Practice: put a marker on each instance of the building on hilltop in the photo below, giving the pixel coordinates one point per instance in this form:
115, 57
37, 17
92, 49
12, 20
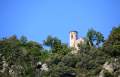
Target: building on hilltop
74, 40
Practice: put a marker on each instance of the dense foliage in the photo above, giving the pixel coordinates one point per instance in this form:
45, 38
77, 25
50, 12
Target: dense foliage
22, 58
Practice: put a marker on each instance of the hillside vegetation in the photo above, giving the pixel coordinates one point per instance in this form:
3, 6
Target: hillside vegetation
97, 57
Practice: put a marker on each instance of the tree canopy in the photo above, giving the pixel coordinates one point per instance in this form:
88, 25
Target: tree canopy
20, 57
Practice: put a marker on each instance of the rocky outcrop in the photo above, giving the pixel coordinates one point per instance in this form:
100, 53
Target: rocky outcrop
111, 68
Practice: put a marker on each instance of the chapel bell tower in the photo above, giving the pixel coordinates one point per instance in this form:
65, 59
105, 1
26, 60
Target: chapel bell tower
73, 38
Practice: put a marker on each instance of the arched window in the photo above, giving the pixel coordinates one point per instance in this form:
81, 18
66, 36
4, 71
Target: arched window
71, 36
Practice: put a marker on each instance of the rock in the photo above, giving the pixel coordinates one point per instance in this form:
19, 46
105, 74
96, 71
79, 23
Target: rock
44, 67
106, 67
101, 73
109, 67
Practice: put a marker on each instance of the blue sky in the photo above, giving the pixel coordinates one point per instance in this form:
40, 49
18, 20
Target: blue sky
37, 19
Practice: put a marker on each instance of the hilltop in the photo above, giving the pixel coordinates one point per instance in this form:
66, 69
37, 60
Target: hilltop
96, 57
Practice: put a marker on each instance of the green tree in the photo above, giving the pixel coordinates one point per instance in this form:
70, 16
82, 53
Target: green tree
17, 63
95, 38
112, 44
56, 45
23, 40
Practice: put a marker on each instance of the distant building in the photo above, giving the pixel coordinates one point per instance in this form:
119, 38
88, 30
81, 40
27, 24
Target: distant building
74, 40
